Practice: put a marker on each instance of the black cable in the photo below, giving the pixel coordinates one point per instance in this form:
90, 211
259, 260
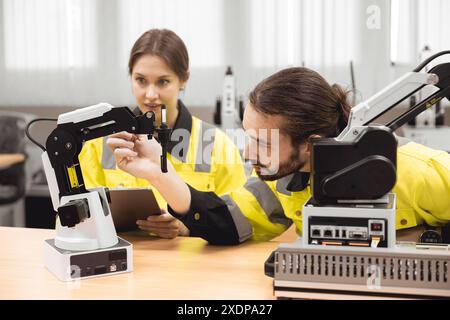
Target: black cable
28, 134
427, 61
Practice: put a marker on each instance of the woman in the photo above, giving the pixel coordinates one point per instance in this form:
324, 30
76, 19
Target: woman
202, 155
300, 104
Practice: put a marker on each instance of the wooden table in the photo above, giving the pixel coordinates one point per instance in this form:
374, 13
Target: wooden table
181, 268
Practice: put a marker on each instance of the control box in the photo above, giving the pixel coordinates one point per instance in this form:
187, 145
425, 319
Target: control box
356, 224
401, 272
74, 265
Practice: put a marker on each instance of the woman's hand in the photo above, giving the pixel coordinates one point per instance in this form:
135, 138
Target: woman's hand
136, 155
164, 225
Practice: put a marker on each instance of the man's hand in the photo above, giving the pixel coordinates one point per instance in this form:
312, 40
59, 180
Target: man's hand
140, 157
136, 155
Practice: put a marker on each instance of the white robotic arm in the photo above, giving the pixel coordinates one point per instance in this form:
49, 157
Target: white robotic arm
365, 112
360, 164
77, 116
84, 218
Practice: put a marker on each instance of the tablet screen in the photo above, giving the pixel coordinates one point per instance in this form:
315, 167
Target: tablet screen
129, 205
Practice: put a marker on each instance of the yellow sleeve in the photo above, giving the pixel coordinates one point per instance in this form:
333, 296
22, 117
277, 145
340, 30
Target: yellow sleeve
90, 155
230, 173
432, 201
260, 206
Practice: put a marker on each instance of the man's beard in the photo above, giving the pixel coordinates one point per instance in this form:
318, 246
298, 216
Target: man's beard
293, 164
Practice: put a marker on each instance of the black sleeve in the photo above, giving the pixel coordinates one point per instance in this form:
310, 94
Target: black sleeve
209, 218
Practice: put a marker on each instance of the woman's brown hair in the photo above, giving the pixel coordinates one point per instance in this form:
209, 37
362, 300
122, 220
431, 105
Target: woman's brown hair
165, 44
308, 104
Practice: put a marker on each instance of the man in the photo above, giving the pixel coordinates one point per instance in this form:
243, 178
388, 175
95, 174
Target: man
285, 111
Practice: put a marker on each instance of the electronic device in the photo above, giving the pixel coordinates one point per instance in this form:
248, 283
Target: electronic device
131, 204
229, 107
305, 272
84, 226
70, 265
357, 225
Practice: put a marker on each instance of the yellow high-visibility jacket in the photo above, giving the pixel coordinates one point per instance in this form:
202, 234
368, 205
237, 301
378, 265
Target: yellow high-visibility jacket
202, 155
262, 210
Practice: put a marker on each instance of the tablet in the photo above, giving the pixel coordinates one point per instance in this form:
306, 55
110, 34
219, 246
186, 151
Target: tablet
129, 205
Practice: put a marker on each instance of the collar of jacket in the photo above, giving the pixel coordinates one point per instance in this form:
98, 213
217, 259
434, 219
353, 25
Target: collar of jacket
298, 182
184, 121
